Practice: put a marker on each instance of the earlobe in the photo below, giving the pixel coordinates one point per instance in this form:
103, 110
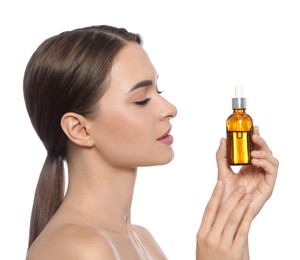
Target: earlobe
75, 127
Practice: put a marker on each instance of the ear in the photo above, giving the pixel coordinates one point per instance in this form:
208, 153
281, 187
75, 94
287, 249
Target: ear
75, 127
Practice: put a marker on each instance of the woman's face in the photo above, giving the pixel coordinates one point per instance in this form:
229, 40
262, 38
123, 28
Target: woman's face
132, 124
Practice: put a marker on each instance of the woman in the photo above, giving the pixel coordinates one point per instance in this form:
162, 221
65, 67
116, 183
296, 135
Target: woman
93, 99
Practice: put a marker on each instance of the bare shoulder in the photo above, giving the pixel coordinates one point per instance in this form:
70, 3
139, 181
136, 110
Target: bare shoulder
149, 241
143, 232
71, 242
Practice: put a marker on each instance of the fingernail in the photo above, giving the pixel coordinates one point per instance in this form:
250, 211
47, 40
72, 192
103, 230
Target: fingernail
254, 153
256, 137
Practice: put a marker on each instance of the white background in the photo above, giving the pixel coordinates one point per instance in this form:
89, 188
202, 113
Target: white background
201, 50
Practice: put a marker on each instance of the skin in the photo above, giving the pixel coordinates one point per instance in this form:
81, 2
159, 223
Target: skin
236, 200
224, 229
104, 152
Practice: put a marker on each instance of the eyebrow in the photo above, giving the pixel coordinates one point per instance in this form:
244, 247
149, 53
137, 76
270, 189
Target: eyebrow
141, 84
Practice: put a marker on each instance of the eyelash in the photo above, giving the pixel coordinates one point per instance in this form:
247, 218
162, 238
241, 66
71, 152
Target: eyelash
145, 101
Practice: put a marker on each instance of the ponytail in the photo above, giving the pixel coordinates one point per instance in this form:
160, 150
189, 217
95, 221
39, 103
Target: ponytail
48, 196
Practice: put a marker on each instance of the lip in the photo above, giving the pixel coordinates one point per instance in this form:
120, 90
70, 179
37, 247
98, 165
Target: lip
166, 138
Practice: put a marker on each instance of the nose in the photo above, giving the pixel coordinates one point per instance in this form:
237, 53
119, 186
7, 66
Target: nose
167, 111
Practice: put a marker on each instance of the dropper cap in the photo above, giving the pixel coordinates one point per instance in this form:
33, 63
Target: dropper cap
239, 101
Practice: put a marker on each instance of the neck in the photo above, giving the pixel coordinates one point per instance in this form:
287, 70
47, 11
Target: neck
99, 195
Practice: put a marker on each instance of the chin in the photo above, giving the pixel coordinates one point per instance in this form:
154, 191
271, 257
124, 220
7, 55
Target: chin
165, 159
156, 158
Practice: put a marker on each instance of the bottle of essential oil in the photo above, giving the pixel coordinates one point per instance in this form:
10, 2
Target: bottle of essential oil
239, 126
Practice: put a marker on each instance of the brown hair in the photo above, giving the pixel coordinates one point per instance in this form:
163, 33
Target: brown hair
68, 72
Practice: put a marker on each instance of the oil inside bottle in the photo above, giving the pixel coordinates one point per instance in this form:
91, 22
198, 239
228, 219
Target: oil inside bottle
239, 147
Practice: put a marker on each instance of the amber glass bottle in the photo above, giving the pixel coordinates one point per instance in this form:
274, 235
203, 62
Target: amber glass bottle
239, 126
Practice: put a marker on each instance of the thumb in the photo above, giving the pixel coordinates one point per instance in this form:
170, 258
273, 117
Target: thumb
223, 167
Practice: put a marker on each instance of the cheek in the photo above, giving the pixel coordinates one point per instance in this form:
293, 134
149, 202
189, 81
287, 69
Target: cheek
127, 128
128, 138
124, 131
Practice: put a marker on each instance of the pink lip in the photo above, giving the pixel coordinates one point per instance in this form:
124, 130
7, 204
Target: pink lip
166, 138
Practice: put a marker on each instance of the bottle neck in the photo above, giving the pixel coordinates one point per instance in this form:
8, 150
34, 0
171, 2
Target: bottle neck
239, 110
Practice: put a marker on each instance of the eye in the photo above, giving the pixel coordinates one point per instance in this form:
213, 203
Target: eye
143, 102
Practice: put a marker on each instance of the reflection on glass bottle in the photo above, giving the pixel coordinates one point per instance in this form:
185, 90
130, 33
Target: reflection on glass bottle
239, 128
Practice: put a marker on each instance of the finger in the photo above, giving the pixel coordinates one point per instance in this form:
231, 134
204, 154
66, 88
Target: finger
234, 221
222, 163
243, 230
262, 157
211, 210
268, 164
259, 142
226, 210
256, 130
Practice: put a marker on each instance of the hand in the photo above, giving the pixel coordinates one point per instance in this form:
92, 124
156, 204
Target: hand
258, 178
223, 233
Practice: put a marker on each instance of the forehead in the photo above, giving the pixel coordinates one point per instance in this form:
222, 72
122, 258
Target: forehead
131, 65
